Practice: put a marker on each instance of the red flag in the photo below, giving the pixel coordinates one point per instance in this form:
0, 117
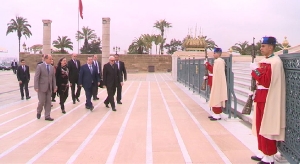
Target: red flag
80, 9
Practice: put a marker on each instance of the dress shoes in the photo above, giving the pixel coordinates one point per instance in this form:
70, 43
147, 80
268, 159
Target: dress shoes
74, 102
49, 119
215, 119
210, 117
77, 99
96, 98
119, 102
87, 107
63, 111
27, 98
255, 158
53, 100
22, 98
92, 108
106, 105
114, 109
38, 116
262, 162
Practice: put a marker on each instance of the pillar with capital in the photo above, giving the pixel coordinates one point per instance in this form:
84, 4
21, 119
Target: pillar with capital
105, 40
47, 36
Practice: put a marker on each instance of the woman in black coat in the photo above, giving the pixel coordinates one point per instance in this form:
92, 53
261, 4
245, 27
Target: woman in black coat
62, 82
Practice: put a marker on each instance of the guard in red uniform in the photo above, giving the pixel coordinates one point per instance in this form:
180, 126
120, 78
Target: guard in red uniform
216, 108
270, 101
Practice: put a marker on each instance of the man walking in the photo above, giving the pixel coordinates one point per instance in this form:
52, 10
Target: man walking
123, 73
74, 69
44, 84
88, 77
218, 94
14, 66
270, 97
111, 78
23, 76
97, 64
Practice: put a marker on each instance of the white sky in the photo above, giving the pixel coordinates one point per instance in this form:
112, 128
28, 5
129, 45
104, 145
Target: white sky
225, 21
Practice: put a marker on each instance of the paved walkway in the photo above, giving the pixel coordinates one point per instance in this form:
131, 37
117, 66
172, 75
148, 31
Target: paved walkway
159, 121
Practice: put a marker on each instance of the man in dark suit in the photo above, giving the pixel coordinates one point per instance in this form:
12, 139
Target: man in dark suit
97, 64
14, 66
44, 85
122, 69
23, 76
74, 69
88, 77
111, 78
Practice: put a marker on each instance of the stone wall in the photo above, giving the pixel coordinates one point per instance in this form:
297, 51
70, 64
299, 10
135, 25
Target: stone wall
133, 62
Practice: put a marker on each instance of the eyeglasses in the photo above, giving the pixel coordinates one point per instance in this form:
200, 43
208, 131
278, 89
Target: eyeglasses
112, 60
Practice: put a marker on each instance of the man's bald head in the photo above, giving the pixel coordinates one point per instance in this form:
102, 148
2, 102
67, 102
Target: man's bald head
111, 60
74, 55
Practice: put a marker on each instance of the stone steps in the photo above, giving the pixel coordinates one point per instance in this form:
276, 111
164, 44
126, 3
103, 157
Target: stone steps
242, 84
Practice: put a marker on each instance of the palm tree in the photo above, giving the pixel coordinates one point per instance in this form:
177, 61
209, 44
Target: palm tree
161, 25
242, 47
62, 43
21, 26
158, 39
210, 43
148, 40
137, 46
86, 34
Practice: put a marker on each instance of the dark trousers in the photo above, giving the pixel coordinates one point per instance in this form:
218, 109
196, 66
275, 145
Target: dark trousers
63, 95
88, 95
119, 92
77, 94
14, 68
95, 89
23, 86
110, 96
267, 146
53, 95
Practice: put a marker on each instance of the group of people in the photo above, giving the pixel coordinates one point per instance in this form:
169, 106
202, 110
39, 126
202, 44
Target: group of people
51, 80
269, 114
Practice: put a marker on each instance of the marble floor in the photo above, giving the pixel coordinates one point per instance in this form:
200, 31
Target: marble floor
160, 121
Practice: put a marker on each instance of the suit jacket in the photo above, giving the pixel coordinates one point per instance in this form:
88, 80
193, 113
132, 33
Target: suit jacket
122, 70
99, 67
86, 78
111, 76
22, 75
16, 64
42, 80
73, 71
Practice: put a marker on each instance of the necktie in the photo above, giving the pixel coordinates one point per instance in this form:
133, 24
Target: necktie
91, 69
48, 68
75, 63
24, 68
118, 65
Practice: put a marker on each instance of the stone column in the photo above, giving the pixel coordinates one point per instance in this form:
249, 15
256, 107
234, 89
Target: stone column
174, 66
47, 36
105, 40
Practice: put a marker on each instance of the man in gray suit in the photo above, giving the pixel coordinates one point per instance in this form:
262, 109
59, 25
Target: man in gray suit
44, 81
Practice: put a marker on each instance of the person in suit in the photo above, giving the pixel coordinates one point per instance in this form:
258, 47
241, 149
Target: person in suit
74, 69
53, 93
97, 64
123, 73
62, 82
23, 76
14, 66
88, 77
111, 78
44, 84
